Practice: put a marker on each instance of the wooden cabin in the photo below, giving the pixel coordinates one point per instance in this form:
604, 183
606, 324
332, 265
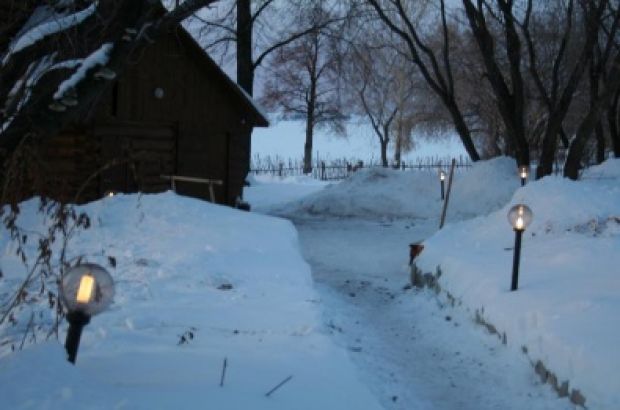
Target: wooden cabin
172, 112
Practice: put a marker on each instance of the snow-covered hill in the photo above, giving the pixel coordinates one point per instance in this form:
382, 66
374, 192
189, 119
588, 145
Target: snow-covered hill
384, 192
234, 280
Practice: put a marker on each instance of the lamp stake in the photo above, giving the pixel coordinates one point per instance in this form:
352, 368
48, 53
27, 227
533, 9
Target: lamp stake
77, 320
515, 263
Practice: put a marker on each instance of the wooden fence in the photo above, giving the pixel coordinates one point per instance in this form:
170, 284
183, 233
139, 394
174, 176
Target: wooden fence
341, 168
338, 169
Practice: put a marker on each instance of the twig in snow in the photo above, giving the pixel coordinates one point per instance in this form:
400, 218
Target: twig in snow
223, 373
27, 330
278, 386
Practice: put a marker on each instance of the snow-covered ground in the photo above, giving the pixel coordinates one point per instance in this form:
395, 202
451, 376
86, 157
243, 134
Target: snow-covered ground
285, 139
569, 294
569, 289
388, 193
357, 337
236, 281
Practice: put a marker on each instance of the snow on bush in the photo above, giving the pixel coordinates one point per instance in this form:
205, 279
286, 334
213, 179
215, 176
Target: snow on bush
569, 293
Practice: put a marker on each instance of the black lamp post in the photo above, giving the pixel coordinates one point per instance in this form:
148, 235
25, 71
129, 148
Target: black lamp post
86, 290
524, 172
520, 217
442, 179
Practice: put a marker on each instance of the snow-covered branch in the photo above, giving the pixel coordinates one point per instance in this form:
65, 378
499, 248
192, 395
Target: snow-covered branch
60, 50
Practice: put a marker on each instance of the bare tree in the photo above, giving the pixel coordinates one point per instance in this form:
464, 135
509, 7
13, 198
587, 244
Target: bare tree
559, 81
252, 30
554, 73
382, 91
304, 80
435, 65
509, 88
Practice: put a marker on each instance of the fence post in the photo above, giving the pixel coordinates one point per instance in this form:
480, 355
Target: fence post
445, 204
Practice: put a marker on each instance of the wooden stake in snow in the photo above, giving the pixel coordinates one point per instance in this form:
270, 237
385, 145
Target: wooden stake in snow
445, 203
223, 373
282, 383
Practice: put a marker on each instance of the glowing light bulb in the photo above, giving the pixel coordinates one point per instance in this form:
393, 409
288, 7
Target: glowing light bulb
519, 224
85, 290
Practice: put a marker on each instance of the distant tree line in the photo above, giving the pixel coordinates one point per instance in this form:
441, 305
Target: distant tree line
530, 79
533, 80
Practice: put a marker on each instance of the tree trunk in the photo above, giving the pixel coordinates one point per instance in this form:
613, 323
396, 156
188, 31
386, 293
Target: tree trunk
462, 129
587, 126
245, 72
600, 143
547, 154
308, 143
509, 92
310, 122
397, 150
612, 121
384, 143
384, 160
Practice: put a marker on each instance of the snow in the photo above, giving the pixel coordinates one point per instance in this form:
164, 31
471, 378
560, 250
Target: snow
275, 191
35, 70
285, 139
569, 292
348, 330
45, 22
384, 192
98, 57
412, 350
173, 254
564, 311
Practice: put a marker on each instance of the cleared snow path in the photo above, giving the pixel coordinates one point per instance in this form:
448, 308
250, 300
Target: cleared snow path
412, 352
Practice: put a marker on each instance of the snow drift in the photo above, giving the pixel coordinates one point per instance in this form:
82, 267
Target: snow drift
377, 193
234, 280
569, 292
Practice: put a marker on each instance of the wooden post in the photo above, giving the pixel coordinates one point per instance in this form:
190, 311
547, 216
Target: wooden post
445, 203
211, 192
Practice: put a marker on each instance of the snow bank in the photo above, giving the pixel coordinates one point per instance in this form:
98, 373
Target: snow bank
235, 280
385, 192
569, 292
267, 191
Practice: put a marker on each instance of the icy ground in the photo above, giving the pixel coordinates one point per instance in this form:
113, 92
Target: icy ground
355, 236
413, 352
